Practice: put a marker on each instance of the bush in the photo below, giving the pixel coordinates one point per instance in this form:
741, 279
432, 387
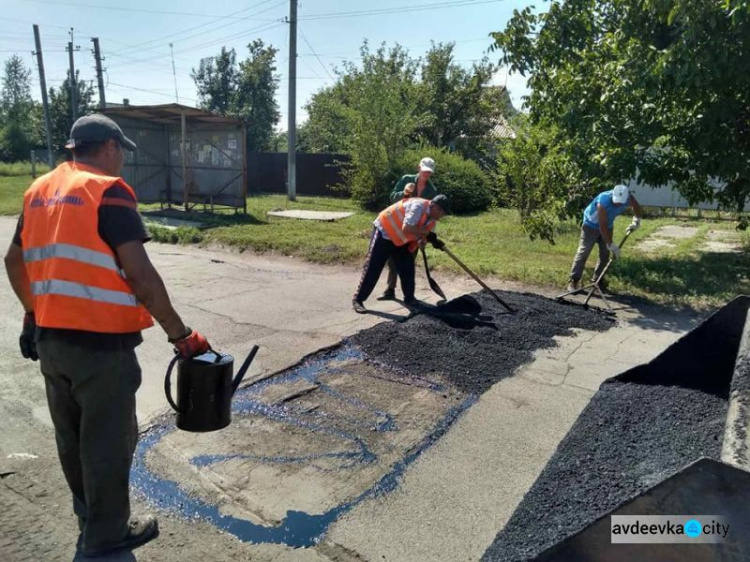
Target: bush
538, 177
468, 187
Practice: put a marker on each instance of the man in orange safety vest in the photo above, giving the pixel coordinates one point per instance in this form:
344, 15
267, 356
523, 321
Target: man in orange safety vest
78, 265
398, 231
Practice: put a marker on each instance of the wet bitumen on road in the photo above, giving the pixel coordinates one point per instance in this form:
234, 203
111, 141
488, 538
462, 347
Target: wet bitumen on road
640, 428
472, 341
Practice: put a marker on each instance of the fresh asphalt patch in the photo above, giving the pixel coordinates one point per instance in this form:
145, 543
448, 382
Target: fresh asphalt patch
640, 428
472, 342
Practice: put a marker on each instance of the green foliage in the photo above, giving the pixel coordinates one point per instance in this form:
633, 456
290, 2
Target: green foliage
463, 181
180, 235
61, 119
244, 90
389, 102
379, 112
656, 88
538, 177
456, 103
327, 127
16, 111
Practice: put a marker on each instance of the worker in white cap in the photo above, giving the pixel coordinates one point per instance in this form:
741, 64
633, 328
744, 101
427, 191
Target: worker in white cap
410, 185
598, 228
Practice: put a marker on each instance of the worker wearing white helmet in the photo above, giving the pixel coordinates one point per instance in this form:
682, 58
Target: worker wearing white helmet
598, 228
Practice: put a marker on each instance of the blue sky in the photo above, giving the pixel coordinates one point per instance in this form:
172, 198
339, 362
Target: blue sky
135, 37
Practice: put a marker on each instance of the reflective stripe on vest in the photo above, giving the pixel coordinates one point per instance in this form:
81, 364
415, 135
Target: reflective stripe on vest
68, 289
75, 277
71, 252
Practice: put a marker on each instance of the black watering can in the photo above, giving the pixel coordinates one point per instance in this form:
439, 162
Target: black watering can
205, 388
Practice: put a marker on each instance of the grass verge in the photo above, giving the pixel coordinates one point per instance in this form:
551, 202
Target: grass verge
491, 243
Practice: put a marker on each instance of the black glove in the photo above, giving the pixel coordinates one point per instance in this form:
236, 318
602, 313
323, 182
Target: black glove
435, 241
27, 340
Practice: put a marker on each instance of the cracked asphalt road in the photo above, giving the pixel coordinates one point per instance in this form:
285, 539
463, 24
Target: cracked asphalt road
451, 502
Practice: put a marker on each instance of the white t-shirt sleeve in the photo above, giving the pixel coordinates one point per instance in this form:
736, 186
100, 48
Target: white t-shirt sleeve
413, 212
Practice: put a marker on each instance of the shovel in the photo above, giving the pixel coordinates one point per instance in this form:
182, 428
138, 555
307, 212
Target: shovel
433, 284
477, 279
594, 286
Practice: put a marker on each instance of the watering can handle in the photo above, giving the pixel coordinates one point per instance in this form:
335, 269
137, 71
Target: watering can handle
168, 383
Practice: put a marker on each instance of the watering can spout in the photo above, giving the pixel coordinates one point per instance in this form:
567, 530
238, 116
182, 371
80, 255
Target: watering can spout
243, 369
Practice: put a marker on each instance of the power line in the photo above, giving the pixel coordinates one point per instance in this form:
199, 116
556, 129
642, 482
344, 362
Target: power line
399, 10
161, 38
262, 28
116, 8
304, 38
211, 43
155, 92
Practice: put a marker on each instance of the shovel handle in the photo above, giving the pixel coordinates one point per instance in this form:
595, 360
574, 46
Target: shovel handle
478, 280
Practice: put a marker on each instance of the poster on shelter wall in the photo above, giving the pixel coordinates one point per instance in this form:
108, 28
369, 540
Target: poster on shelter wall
232, 144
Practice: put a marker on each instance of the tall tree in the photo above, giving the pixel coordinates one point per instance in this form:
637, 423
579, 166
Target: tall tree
657, 88
216, 80
453, 100
61, 120
244, 90
327, 127
16, 111
380, 110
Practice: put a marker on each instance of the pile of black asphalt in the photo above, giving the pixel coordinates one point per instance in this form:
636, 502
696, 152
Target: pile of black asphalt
640, 428
472, 341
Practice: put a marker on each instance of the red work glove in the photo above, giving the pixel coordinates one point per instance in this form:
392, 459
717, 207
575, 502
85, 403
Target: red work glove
27, 341
191, 344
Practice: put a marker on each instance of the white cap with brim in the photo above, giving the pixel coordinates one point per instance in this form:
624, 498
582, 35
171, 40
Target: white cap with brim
427, 165
620, 194
97, 128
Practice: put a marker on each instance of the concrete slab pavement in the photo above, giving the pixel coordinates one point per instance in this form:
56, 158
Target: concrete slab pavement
461, 492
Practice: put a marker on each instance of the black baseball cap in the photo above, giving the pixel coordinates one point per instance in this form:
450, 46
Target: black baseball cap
443, 202
96, 128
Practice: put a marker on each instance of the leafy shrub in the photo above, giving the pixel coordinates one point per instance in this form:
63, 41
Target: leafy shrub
468, 187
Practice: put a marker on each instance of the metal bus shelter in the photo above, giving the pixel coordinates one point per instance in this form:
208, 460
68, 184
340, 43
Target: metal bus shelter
185, 156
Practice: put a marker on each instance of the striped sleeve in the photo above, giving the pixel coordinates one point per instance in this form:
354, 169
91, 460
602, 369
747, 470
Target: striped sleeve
119, 220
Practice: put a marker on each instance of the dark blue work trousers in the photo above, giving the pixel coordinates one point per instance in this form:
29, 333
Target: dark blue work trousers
380, 250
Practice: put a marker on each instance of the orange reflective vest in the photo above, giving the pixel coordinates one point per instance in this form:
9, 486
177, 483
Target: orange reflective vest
391, 221
76, 280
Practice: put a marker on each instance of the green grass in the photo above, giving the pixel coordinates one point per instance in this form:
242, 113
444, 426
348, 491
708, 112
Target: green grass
491, 243
21, 169
12, 189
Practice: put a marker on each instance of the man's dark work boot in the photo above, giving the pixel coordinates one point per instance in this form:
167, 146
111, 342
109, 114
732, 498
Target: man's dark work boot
140, 531
388, 295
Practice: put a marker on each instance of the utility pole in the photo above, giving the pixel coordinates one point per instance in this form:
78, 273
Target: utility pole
99, 74
292, 124
174, 74
45, 103
73, 88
